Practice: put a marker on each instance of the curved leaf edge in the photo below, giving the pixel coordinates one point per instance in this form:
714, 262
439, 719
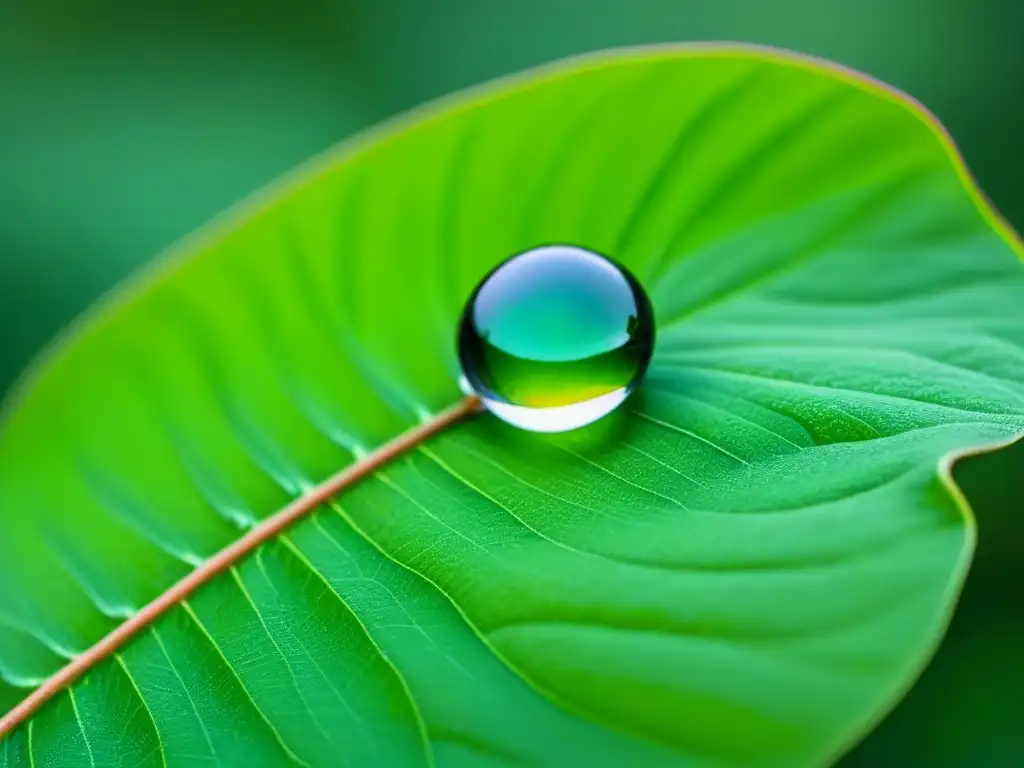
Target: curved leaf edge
164, 264
958, 578
167, 262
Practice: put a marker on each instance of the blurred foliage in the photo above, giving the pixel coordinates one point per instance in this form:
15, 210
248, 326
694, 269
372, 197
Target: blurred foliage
122, 128
125, 125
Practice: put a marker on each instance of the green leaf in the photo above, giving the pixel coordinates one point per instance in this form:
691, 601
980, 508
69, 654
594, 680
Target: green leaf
747, 565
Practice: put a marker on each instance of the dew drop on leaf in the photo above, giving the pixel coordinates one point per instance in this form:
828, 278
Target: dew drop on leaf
555, 338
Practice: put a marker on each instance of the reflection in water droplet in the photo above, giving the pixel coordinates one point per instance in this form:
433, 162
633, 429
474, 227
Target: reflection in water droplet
555, 338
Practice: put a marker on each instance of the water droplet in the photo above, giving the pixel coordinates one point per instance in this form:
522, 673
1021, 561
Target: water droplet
555, 338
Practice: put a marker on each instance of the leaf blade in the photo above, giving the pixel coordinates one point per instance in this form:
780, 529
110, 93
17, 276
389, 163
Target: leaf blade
640, 563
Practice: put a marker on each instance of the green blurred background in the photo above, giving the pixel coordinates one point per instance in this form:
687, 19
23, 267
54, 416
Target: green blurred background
125, 124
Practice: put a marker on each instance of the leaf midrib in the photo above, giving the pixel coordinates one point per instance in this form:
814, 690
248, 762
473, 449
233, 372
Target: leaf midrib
226, 558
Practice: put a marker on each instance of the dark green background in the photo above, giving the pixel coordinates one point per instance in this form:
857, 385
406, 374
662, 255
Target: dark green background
123, 125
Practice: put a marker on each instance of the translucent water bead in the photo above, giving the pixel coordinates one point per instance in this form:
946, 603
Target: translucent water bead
555, 338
